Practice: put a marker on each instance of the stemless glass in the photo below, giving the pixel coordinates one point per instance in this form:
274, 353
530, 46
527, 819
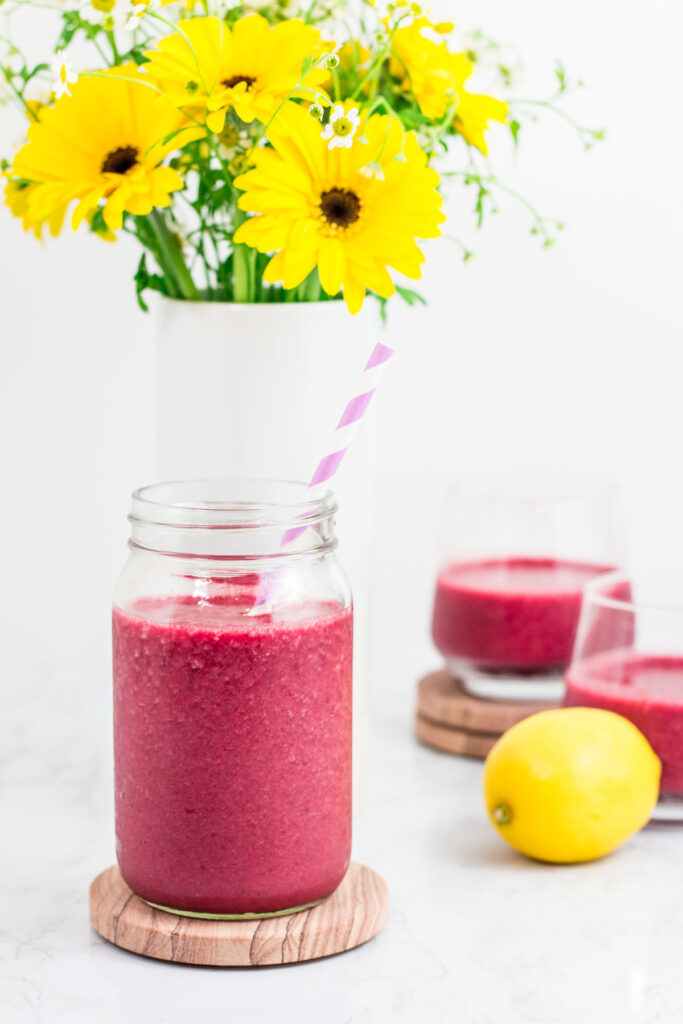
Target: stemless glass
628, 658
516, 556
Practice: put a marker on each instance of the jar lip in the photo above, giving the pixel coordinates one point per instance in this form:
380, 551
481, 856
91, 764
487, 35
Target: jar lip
230, 504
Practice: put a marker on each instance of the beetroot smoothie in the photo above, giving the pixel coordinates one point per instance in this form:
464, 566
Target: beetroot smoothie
646, 689
513, 614
233, 752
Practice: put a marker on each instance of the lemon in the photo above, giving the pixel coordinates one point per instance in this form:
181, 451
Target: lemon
571, 784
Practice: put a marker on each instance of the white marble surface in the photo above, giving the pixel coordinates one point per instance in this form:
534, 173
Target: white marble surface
477, 935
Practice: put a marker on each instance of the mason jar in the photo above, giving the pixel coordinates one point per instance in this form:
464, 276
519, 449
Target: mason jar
232, 648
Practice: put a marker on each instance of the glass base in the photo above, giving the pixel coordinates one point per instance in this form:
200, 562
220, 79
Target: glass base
669, 811
234, 917
507, 686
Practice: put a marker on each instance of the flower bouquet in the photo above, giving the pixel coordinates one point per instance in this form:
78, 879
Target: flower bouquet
259, 152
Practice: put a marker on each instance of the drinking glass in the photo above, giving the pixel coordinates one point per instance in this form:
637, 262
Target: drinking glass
515, 558
628, 658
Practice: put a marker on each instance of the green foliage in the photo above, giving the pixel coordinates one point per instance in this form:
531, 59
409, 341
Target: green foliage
144, 280
188, 249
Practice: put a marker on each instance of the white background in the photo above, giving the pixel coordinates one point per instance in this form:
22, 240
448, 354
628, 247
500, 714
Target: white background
526, 359
569, 358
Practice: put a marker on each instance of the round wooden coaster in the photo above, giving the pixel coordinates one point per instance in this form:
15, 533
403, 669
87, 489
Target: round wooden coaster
453, 741
451, 719
354, 913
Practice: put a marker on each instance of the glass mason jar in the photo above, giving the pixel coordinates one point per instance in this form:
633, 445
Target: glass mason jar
516, 555
232, 700
628, 658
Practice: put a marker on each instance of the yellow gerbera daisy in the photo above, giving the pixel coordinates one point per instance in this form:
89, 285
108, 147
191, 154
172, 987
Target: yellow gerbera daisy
106, 141
437, 79
350, 212
208, 68
17, 195
474, 110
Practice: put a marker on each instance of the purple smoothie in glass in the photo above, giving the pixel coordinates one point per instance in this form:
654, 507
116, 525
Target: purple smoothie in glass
645, 688
232, 752
513, 614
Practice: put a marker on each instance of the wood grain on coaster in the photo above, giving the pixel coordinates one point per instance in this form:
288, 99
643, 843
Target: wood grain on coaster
445, 701
452, 740
352, 915
451, 719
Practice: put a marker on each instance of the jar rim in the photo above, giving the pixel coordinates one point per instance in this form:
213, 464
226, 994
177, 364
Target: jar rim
230, 504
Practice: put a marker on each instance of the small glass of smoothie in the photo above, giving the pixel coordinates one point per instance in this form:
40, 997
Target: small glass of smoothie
628, 658
232, 700
517, 556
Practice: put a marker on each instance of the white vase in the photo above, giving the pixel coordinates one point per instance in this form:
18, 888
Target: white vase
256, 390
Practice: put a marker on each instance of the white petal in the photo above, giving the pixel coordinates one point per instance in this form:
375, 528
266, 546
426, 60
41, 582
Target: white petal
353, 114
337, 112
327, 132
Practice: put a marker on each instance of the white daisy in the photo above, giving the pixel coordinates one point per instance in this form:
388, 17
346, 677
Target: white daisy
373, 171
139, 9
341, 127
64, 74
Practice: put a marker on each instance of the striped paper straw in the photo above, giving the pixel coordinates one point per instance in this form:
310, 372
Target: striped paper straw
336, 450
346, 428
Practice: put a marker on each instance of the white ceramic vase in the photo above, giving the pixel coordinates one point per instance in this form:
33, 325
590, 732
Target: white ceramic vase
256, 390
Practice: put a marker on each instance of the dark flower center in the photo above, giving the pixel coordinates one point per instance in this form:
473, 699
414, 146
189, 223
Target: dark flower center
340, 206
230, 83
120, 160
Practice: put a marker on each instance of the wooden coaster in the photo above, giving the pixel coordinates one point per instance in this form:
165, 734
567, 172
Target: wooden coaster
354, 913
451, 719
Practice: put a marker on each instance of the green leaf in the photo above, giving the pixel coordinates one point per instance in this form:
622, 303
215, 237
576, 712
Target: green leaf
144, 280
561, 76
411, 297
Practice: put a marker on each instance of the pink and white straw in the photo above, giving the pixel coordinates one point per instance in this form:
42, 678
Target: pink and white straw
346, 428
337, 449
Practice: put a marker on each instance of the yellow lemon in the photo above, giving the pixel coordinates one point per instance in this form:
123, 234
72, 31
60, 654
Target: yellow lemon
571, 785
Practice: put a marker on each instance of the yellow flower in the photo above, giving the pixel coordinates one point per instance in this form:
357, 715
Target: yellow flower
437, 79
103, 143
209, 68
353, 56
474, 110
17, 195
320, 207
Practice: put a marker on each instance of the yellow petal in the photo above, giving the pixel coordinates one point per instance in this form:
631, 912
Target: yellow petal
331, 265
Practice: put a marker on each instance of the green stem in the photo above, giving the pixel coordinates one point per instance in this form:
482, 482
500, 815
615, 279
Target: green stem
172, 262
241, 275
112, 42
32, 115
553, 109
101, 52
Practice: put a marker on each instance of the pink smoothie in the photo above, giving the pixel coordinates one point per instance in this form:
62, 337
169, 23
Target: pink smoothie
514, 614
232, 740
646, 689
